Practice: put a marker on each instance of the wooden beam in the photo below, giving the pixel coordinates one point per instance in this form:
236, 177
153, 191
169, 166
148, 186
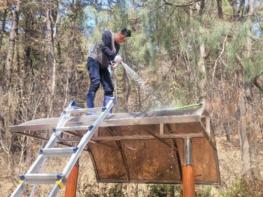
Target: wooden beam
209, 131
91, 141
148, 137
124, 159
158, 138
89, 148
208, 126
154, 181
161, 129
96, 133
212, 143
179, 163
41, 138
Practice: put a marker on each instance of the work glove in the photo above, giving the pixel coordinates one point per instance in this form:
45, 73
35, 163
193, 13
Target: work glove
113, 64
118, 59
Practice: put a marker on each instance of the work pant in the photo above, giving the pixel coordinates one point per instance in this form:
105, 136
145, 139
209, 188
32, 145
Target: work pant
98, 75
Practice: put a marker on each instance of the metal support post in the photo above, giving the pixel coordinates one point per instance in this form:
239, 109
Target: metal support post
188, 173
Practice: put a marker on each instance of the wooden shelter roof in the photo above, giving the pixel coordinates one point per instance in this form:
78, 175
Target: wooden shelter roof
143, 147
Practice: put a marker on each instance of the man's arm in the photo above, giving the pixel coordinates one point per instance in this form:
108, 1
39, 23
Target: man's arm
106, 47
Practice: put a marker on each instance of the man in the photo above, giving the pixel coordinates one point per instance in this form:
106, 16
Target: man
100, 57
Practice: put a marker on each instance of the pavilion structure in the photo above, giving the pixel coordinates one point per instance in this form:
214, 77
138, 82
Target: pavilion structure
166, 146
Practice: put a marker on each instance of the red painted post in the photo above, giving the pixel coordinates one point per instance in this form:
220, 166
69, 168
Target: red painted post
188, 181
72, 182
188, 171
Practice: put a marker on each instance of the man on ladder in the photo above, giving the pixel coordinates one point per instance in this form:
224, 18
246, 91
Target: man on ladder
101, 58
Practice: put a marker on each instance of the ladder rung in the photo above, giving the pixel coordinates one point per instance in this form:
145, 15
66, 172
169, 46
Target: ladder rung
41, 178
58, 151
74, 128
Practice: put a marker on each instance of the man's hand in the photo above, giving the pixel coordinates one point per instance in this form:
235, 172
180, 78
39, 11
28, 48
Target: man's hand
114, 65
118, 59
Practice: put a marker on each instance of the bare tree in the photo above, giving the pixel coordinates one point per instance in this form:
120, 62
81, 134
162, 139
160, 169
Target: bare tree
51, 23
202, 79
247, 130
12, 40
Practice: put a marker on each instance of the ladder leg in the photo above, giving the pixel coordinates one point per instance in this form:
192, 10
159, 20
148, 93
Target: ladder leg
70, 171
83, 142
40, 159
18, 190
33, 191
72, 181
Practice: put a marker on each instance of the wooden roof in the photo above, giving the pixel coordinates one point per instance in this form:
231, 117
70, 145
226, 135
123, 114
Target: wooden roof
143, 147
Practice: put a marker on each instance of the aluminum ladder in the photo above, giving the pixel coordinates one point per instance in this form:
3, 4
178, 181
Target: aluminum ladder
32, 176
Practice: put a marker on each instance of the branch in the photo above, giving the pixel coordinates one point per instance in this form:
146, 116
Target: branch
221, 53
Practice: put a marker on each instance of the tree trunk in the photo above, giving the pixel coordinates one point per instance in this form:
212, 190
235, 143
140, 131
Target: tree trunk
202, 72
249, 21
248, 138
120, 89
51, 59
11, 47
202, 7
3, 27
18, 78
250, 8
120, 80
233, 4
243, 136
241, 8
219, 8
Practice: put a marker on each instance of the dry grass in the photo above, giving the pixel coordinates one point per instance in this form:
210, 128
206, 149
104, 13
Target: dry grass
229, 161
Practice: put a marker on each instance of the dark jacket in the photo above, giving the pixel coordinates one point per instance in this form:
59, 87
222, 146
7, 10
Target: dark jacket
105, 51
